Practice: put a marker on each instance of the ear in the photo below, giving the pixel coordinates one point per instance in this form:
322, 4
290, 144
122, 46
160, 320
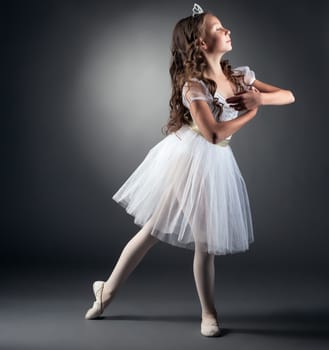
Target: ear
203, 44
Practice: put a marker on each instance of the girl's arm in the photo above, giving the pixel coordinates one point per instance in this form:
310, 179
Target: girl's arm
273, 95
261, 94
215, 131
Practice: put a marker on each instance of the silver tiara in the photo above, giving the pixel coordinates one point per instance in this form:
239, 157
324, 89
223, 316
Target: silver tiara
196, 10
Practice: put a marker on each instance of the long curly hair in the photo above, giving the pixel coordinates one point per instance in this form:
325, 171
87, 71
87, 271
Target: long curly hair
188, 61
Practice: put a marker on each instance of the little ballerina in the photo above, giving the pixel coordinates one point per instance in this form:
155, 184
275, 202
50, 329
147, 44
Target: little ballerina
189, 191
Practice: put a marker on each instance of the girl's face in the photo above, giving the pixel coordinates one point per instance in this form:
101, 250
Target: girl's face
217, 37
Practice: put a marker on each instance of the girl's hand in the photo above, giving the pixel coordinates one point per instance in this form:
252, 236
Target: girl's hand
250, 99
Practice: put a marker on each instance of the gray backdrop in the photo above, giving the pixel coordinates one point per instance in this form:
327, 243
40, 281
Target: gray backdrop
88, 92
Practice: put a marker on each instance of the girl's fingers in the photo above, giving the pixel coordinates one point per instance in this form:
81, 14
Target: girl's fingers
237, 106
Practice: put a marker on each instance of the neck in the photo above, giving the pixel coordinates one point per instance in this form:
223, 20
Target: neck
214, 68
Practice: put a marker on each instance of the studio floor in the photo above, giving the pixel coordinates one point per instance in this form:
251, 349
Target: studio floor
43, 308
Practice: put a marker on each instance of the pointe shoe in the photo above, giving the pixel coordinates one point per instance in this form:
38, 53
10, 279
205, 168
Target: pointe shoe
98, 307
210, 328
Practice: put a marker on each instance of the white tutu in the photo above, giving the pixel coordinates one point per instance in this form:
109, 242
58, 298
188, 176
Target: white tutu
193, 191
190, 189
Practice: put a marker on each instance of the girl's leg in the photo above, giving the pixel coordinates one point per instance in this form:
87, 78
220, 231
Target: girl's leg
204, 275
130, 256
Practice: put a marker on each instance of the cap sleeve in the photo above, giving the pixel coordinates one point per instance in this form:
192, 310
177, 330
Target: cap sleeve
249, 75
194, 90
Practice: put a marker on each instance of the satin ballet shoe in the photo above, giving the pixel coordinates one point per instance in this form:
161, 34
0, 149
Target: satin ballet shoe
210, 328
98, 306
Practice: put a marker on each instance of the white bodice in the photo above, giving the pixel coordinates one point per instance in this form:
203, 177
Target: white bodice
199, 91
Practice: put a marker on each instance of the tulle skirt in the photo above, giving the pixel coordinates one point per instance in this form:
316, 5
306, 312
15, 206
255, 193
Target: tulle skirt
193, 193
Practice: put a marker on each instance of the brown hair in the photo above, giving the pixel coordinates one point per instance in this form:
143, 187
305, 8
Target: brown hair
188, 61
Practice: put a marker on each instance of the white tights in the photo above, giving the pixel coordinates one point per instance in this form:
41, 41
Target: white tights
138, 246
